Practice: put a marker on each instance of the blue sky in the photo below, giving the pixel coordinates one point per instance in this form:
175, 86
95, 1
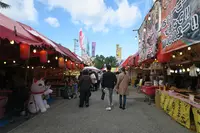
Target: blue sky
106, 22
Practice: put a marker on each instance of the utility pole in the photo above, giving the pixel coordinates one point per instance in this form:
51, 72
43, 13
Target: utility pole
75, 45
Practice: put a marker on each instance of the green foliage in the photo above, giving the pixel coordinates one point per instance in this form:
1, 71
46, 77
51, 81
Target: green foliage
100, 60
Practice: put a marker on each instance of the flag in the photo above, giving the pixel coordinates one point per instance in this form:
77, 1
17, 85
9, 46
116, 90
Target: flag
118, 51
81, 39
93, 48
88, 47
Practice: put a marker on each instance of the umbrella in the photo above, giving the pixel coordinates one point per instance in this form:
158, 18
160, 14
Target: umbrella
91, 68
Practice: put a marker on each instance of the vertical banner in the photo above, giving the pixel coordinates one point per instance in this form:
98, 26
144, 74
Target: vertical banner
149, 32
88, 48
93, 48
81, 39
118, 52
180, 24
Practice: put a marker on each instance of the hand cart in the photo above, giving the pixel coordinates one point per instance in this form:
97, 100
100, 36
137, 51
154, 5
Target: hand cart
149, 92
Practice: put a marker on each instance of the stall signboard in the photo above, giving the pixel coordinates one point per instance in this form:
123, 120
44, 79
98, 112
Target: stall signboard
149, 33
177, 109
180, 24
196, 113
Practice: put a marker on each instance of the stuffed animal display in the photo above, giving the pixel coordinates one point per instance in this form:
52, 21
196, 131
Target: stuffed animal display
36, 101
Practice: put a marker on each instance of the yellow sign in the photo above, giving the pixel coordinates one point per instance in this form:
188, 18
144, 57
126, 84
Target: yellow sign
196, 113
177, 109
118, 51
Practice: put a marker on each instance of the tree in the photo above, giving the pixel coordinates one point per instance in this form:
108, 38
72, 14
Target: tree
111, 60
4, 5
100, 60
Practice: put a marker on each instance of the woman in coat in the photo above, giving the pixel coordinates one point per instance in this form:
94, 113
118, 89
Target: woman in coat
122, 87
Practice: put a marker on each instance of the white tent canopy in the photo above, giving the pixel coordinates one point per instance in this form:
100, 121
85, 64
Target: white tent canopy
91, 68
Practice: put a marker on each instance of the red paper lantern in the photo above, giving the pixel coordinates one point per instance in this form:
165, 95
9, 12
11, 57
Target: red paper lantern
61, 62
73, 65
79, 66
43, 56
82, 66
163, 58
68, 63
24, 51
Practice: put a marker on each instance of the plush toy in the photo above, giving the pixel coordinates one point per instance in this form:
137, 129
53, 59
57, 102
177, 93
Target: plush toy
36, 101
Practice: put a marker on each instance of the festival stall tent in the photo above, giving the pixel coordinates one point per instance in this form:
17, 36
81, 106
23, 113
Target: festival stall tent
179, 53
63, 55
23, 53
125, 63
134, 67
15, 33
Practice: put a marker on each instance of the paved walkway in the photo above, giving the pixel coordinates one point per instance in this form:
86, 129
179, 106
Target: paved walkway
66, 117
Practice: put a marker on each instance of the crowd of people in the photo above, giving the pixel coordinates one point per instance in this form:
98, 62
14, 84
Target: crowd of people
108, 82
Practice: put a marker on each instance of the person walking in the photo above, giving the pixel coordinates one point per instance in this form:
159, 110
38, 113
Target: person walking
84, 84
94, 80
102, 89
108, 82
122, 88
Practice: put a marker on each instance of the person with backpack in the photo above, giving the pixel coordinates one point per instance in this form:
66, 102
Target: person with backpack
84, 84
122, 88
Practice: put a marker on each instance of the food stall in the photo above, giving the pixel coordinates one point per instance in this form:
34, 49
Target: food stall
24, 51
180, 96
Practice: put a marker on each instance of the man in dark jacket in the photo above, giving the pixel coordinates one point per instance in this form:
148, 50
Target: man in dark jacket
108, 82
84, 84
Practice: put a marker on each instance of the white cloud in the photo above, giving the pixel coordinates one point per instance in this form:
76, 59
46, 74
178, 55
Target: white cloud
96, 14
52, 21
21, 10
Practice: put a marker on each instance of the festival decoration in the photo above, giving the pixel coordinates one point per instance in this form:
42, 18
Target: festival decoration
149, 33
43, 56
82, 66
73, 66
68, 63
36, 102
61, 62
24, 51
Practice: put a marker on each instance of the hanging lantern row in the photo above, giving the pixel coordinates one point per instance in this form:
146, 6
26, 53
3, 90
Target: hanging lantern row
25, 54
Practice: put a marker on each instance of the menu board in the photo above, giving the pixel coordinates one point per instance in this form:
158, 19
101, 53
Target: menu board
180, 24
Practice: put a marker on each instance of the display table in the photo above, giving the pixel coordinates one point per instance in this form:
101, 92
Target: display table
179, 108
